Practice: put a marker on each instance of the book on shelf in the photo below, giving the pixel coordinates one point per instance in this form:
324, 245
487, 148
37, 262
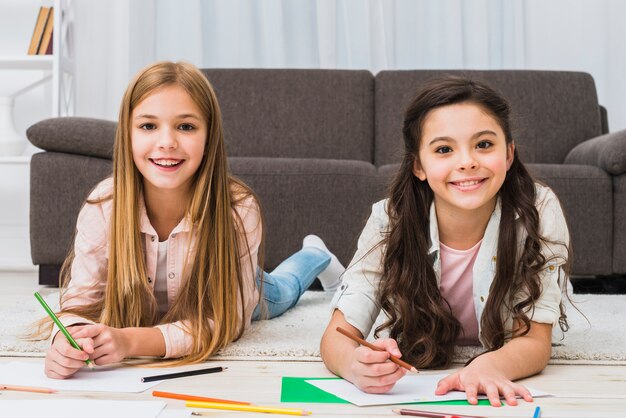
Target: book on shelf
45, 47
40, 26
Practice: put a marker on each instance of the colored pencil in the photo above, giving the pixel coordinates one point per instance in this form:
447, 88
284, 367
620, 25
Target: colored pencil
184, 397
27, 389
62, 328
183, 374
537, 413
429, 414
373, 347
247, 408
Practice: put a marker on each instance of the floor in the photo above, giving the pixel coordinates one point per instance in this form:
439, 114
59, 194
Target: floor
579, 390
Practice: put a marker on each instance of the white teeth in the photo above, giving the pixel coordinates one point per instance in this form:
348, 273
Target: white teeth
166, 163
468, 183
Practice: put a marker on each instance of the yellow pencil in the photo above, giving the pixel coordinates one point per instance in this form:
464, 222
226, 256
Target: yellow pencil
248, 408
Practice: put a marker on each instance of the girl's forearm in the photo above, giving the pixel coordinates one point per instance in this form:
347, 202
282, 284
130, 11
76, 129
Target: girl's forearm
336, 349
144, 341
522, 356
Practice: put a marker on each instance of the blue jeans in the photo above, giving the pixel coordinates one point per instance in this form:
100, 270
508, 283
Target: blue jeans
283, 287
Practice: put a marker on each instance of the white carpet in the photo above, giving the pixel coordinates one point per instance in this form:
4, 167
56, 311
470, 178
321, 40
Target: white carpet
296, 334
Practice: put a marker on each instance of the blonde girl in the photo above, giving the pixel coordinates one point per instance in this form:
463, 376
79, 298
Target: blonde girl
166, 257
467, 250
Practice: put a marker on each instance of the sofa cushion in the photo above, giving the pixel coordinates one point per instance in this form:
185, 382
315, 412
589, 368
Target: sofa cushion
59, 185
586, 195
607, 152
553, 111
329, 198
296, 113
73, 135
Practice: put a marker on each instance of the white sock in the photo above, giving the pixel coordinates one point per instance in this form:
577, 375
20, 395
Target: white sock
331, 276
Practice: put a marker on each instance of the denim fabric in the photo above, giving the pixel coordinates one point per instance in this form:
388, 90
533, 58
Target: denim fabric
283, 287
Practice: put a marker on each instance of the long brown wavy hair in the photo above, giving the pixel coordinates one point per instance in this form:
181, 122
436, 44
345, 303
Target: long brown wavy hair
419, 318
210, 301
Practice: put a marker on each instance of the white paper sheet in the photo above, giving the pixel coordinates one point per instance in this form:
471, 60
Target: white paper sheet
409, 389
175, 413
103, 379
80, 408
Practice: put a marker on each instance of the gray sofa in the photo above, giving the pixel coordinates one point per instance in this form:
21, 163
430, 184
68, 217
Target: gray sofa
320, 146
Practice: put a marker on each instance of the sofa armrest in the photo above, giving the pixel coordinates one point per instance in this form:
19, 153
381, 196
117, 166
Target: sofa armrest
607, 152
72, 135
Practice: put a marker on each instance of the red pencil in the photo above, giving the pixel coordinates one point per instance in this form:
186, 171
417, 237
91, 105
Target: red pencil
183, 397
373, 347
429, 414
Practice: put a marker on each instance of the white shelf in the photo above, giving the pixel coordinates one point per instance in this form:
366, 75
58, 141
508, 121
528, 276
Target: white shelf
19, 159
26, 62
58, 67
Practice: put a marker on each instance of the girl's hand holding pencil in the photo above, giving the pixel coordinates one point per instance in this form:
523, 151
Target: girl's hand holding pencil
63, 360
66, 355
376, 367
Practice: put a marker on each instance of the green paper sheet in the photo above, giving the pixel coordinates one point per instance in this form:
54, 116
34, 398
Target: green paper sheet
296, 389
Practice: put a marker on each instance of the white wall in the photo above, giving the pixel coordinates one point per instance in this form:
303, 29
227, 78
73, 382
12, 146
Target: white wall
113, 39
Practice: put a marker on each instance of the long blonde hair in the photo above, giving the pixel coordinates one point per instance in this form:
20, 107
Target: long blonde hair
210, 300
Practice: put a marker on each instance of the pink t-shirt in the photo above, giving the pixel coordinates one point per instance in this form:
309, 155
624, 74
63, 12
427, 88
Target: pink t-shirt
457, 280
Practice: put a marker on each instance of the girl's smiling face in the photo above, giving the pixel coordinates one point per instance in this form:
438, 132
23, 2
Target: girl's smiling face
168, 136
464, 156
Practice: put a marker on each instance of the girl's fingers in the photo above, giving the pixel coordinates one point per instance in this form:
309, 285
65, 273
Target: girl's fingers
59, 366
67, 351
87, 331
86, 344
104, 360
447, 384
381, 384
389, 345
509, 395
381, 369
471, 391
368, 356
493, 394
68, 363
54, 375
524, 393
56, 372
378, 389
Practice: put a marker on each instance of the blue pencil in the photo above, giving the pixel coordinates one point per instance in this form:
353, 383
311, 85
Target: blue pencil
537, 413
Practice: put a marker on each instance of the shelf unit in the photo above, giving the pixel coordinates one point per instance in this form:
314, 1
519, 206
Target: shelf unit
58, 67
58, 70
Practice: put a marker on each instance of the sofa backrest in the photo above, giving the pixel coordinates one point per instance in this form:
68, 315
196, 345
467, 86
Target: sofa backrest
296, 113
552, 111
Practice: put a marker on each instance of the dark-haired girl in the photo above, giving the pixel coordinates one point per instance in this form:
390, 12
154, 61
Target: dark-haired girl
467, 250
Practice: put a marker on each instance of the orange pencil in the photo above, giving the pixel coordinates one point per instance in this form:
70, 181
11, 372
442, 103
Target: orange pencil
26, 389
183, 397
373, 347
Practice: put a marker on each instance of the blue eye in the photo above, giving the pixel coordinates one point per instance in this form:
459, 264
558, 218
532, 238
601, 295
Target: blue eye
443, 150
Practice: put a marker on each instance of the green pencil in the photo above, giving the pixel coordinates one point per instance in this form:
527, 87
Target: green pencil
62, 328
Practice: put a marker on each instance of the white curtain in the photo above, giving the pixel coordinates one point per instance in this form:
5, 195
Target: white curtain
576, 35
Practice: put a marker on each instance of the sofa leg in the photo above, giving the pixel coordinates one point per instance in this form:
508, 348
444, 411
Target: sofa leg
610, 285
49, 274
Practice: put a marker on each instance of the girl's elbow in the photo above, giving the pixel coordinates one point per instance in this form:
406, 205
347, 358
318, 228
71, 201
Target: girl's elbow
324, 346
